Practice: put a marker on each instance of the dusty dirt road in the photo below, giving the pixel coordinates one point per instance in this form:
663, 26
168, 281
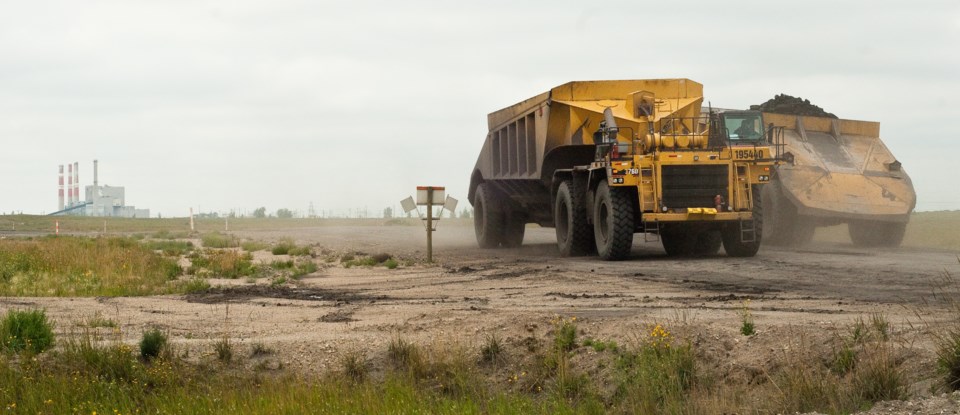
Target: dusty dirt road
471, 293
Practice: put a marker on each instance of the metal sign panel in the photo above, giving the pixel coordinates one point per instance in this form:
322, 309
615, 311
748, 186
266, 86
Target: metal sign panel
423, 195
408, 205
450, 205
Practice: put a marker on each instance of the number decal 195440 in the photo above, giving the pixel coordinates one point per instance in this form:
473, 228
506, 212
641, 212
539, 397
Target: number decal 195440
749, 154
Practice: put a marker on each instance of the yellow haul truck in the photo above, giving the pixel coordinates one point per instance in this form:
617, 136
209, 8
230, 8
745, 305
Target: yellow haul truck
836, 171
602, 160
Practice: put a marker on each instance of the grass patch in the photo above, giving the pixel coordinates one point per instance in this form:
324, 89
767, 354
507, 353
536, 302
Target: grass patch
98, 321
259, 349
600, 346
25, 331
304, 268
219, 240
194, 286
863, 370
747, 327
359, 262
658, 374
253, 246
281, 265
355, 366
391, 263
223, 349
152, 343
221, 263
287, 247
492, 350
76, 266
405, 355
565, 337
381, 257
167, 234
170, 247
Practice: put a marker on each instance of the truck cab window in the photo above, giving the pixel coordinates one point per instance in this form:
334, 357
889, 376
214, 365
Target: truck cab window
744, 127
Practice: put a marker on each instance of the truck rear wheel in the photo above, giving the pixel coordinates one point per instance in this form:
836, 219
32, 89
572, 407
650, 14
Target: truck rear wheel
732, 234
679, 240
784, 225
513, 229
676, 242
613, 222
574, 235
487, 218
876, 233
707, 243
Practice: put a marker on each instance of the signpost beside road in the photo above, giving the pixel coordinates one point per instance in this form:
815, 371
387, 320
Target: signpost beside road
429, 196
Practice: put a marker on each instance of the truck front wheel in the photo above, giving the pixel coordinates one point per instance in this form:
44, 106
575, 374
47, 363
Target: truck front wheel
613, 222
487, 218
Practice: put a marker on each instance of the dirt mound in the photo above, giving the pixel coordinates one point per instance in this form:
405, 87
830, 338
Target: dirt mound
786, 104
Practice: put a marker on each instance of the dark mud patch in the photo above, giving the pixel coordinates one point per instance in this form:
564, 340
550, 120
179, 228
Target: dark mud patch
509, 274
728, 287
339, 316
246, 293
466, 269
835, 252
575, 296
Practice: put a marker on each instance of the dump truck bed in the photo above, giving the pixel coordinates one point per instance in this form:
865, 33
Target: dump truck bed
839, 170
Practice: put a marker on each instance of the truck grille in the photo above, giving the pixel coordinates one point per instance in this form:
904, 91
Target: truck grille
693, 185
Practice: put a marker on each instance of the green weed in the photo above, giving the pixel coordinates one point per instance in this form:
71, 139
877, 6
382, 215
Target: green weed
304, 268
219, 240
253, 246
223, 349
194, 286
747, 327
170, 247
565, 337
152, 343
99, 321
355, 365
25, 331
492, 350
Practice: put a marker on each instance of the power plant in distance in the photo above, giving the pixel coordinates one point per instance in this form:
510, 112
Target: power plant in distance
106, 201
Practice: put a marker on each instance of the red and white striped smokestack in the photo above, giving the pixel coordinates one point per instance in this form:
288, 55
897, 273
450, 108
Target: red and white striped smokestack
61, 189
69, 184
76, 182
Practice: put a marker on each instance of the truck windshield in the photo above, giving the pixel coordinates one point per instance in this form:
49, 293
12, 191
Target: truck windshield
744, 126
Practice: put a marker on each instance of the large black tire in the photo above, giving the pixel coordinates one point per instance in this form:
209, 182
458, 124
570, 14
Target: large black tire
784, 226
513, 229
732, 237
487, 217
613, 222
676, 240
707, 243
574, 235
681, 240
876, 233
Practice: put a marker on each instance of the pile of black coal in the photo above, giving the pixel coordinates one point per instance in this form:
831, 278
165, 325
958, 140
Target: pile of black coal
786, 104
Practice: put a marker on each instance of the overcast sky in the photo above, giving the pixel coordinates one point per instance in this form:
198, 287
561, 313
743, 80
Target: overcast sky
232, 105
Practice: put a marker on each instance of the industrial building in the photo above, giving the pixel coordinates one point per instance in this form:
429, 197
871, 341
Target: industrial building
101, 201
